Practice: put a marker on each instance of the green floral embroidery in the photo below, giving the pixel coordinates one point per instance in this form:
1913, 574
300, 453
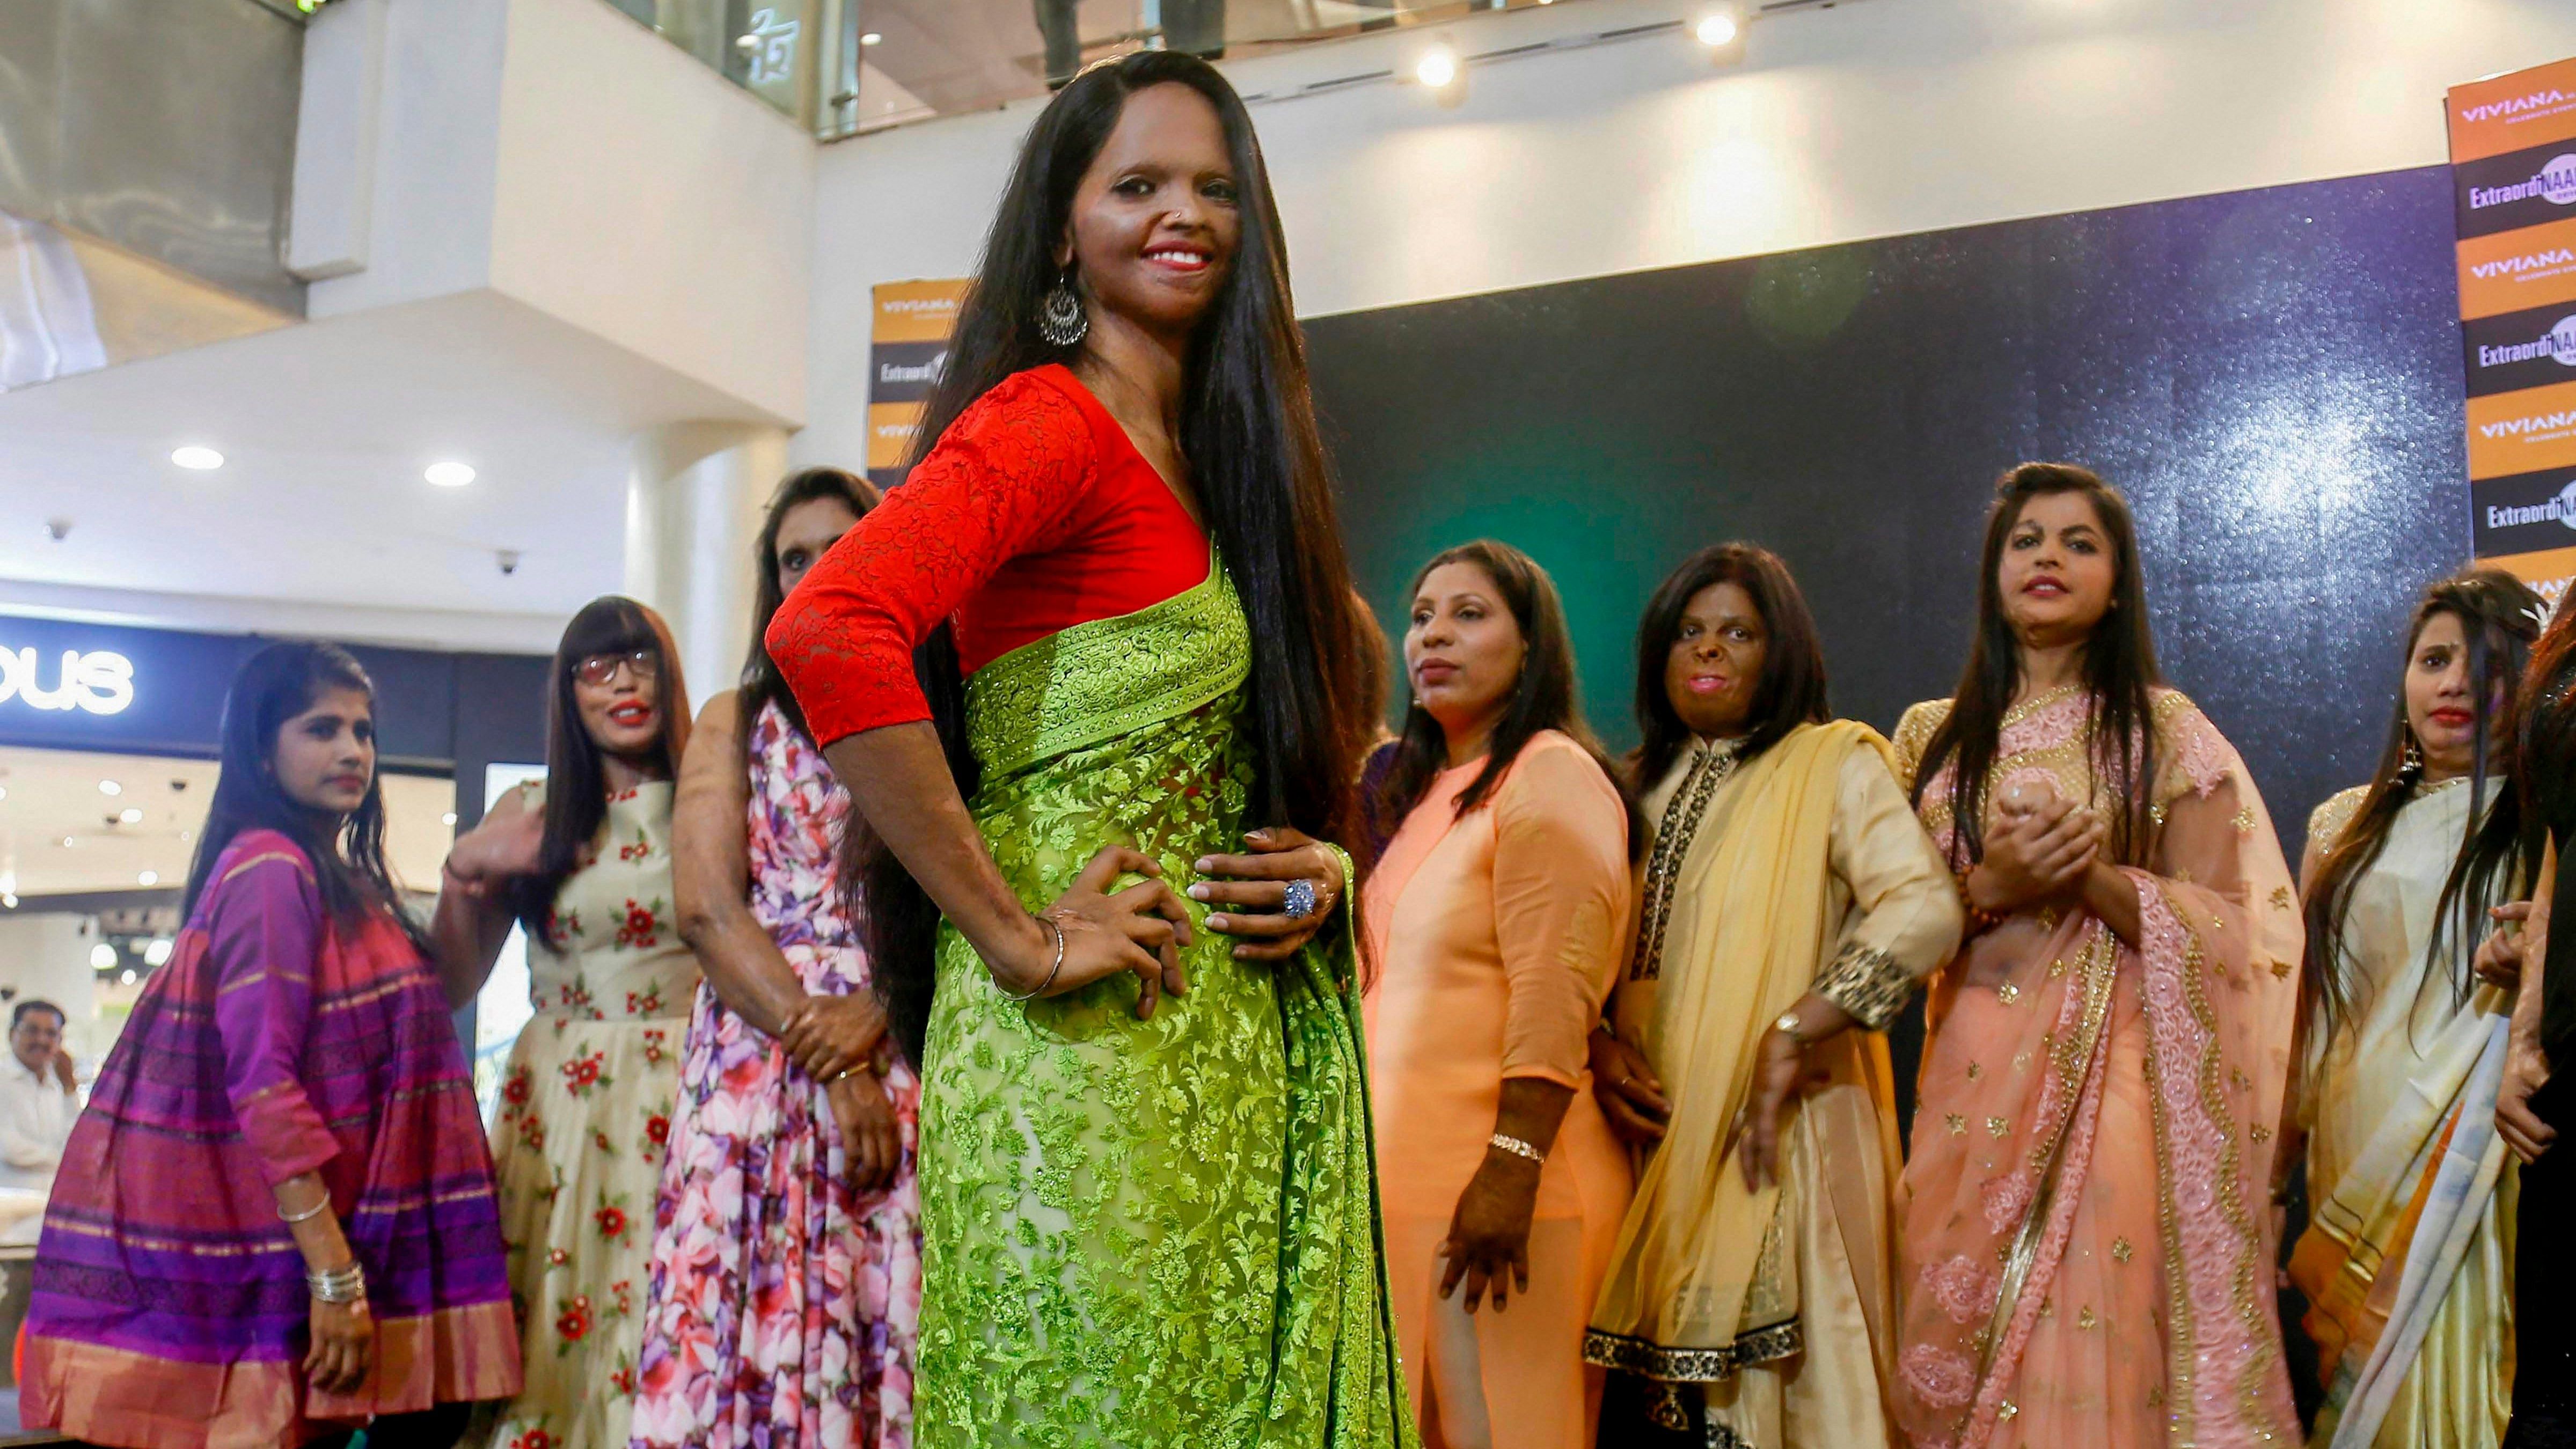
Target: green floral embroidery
1156, 1232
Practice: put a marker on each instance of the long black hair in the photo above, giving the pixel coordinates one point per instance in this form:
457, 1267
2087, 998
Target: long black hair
2500, 617
1545, 697
576, 773
2120, 673
275, 685
761, 683
1247, 427
1791, 691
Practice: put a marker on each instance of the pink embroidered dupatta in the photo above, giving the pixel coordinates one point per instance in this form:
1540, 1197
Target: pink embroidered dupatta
2087, 1240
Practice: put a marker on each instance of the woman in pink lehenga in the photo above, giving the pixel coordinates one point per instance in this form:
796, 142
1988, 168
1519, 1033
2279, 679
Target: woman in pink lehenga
2088, 1241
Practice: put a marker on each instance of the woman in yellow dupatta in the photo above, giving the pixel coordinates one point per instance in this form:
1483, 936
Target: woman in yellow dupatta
2088, 1254
1789, 896
2408, 1276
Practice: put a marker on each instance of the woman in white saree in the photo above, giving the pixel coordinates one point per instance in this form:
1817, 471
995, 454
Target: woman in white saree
2407, 1262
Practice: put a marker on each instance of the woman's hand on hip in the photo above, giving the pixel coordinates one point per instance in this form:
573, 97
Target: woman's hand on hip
1259, 884
1140, 929
343, 1349
1631, 1096
1488, 1243
829, 1035
871, 1139
1778, 1064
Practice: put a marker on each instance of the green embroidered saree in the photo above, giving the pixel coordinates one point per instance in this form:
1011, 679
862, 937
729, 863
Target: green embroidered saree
1144, 1233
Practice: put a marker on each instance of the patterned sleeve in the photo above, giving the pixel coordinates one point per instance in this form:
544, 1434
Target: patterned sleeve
1906, 916
1001, 483
264, 930
1913, 736
1560, 905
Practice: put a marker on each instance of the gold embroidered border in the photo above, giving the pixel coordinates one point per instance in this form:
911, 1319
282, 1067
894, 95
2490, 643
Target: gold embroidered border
1682, 816
1867, 983
1652, 1360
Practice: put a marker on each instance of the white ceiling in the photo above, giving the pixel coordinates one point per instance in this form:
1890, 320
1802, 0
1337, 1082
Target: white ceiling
53, 795
325, 428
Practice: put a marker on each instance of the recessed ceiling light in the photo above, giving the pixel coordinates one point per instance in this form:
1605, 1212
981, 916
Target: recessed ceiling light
110, 787
9, 900
102, 956
1717, 28
149, 877
449, 474
197, 459
1437, 67
448, 819
127, 977
871, 38
158, 953
130, 815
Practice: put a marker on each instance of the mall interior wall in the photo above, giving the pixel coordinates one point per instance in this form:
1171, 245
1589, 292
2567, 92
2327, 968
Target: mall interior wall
1872, 118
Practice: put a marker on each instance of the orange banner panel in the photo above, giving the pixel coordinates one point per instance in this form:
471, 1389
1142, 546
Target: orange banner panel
2547, 571
2527, 108
890, 430
2533, 266
2522, 432
917, 311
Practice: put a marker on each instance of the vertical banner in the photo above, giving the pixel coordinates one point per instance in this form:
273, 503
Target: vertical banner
2513, 169
905, 350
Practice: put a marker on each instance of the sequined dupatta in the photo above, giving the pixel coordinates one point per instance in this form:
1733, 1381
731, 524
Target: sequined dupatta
2059, 1217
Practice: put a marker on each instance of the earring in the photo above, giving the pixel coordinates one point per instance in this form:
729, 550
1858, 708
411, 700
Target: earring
1061, 318
2411, 762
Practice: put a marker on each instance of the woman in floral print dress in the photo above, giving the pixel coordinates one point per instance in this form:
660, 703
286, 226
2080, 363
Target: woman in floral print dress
786, 1274
584, 863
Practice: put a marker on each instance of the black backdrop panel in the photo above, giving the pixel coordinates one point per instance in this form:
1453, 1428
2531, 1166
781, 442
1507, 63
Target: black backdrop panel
2271, 376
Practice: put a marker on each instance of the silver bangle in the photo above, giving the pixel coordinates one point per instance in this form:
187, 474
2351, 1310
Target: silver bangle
1053, 971
339, 1285
1516, 1147
306, 1216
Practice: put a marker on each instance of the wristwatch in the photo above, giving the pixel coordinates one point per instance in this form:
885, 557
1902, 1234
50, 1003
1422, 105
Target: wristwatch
1789, 1026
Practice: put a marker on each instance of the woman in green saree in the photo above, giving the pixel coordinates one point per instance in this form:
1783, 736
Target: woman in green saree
1148, 1210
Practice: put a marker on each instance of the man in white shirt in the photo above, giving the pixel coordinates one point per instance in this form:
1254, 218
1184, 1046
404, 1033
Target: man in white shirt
39, 1100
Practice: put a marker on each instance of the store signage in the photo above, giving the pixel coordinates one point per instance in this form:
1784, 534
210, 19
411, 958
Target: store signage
95, 680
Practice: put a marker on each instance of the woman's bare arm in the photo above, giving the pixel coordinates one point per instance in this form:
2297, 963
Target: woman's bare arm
711, 876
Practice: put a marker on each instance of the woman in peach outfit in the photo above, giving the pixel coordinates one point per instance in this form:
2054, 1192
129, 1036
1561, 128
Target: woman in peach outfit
1495, 920
2087, 1247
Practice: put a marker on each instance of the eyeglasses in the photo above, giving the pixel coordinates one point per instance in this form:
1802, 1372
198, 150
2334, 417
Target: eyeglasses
644, 664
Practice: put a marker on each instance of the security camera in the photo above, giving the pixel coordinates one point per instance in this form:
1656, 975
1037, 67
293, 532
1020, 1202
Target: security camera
58, 529
508, 559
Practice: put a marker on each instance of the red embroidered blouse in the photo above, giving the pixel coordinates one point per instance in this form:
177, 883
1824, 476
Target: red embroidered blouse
1033, 514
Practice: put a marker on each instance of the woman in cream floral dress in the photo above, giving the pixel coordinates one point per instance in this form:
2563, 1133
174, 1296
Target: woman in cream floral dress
585, 865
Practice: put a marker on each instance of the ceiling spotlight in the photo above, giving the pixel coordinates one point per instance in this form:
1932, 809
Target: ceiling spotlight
9, 900
129, 816
871, 38
197, 459
149, 877
101, 956
447, 819
110, 787
449, 474
158, 952
127, 978
1438, 67
1717, 28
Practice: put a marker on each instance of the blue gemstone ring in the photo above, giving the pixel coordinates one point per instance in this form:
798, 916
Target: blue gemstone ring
1300, 902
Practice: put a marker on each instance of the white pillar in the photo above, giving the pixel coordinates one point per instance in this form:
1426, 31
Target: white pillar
693, 510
